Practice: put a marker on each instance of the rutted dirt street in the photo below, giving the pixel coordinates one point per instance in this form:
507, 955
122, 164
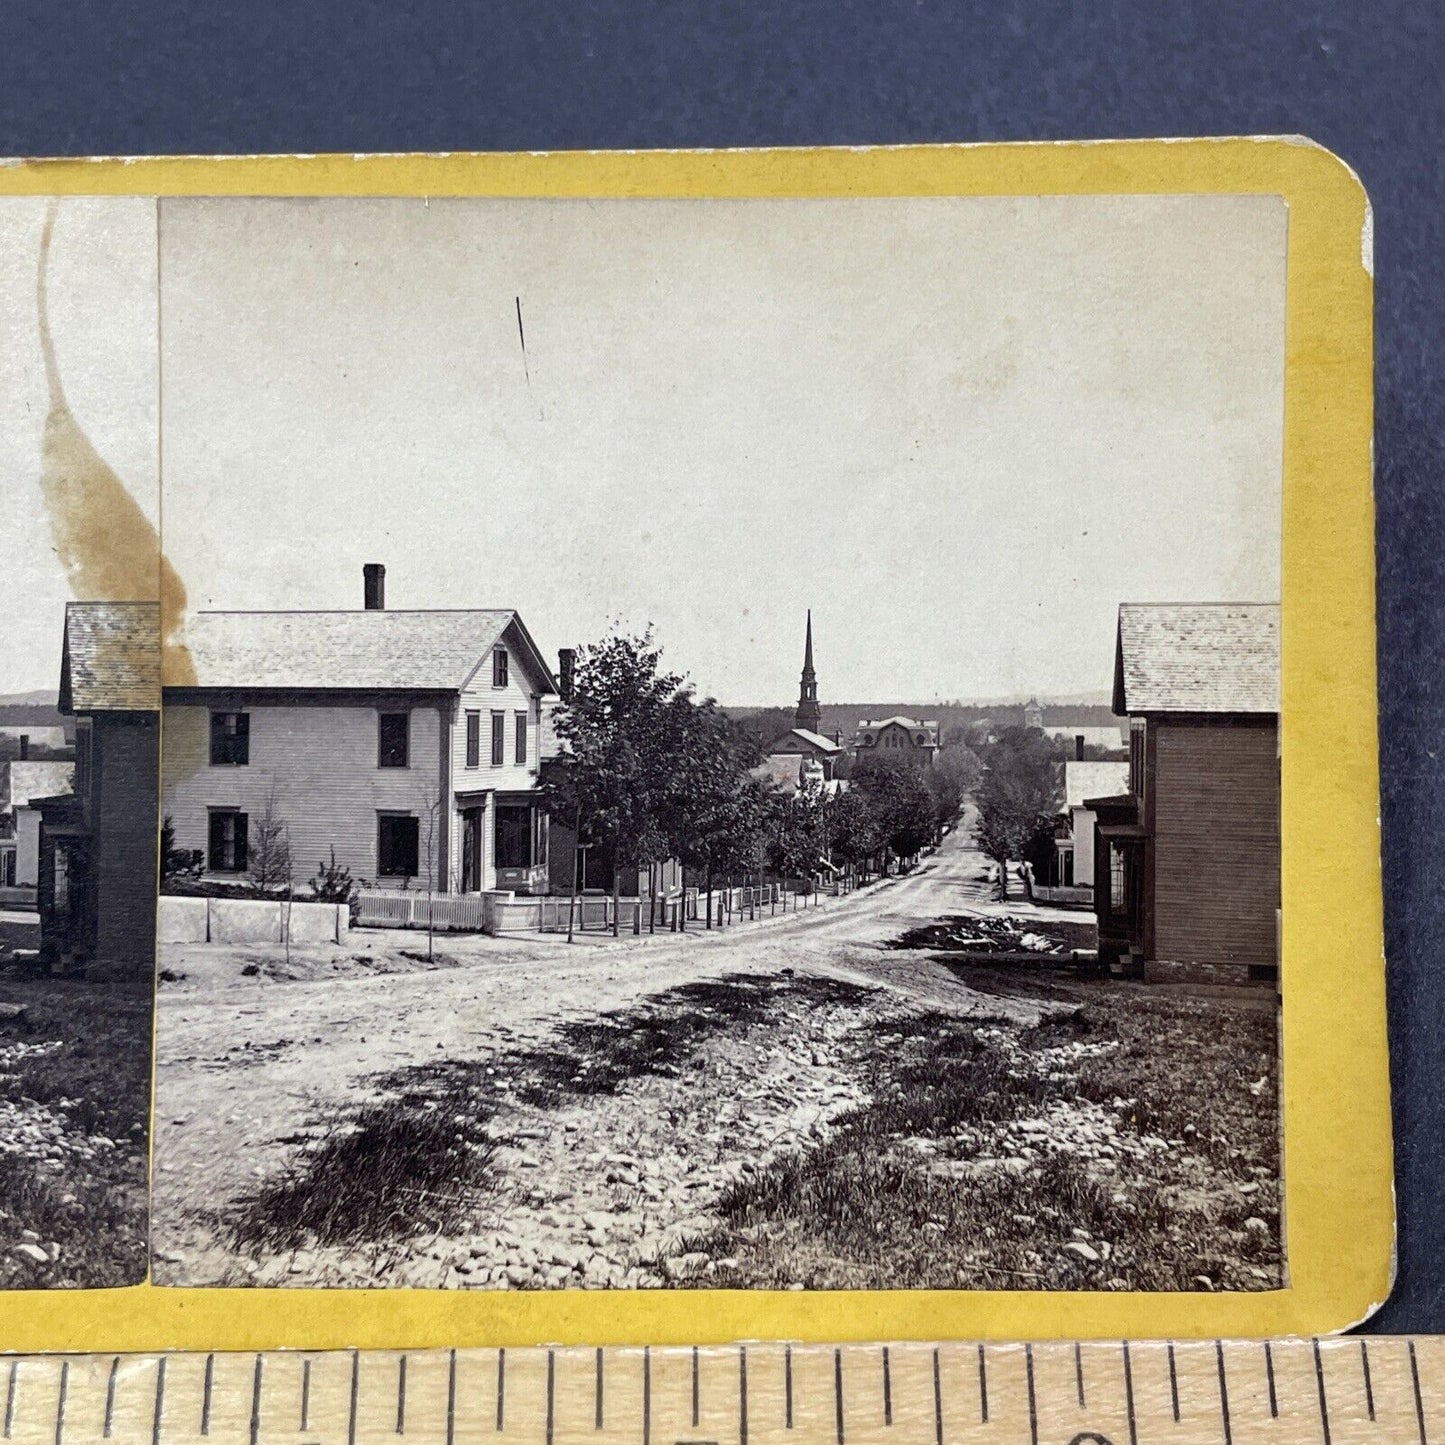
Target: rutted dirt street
739, 1051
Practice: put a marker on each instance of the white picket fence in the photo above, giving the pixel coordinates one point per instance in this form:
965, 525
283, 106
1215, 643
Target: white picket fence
502, 912
449, 912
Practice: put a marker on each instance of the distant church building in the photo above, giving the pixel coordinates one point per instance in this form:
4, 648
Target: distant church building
803, 748
809, 715
1033, 715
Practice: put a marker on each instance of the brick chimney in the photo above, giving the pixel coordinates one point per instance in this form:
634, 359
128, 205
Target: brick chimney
24, 746
566, 668
374, 586
1079, 747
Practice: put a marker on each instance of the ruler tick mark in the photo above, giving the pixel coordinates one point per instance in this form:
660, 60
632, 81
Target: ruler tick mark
60, 1404
597, 1413
159, 1410
206, 1386
401, 1396
551, 1392
1419, 1403
105, 1429
1365, 1370
501, 1383
355, 1392
887, 1389
694, 1387
1223, 1393
646, 1395
743, 1394
982, 1386
1079, 1372
10, 1398
256, 1400
1033, 1403
788, 1386
937, 1399
1173, 1383
305, 1394
1320, 1383
838, 1393
1128, 1396
451, 1397
1269, 1377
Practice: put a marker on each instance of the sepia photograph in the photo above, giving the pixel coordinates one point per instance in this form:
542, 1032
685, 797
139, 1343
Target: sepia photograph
725, 744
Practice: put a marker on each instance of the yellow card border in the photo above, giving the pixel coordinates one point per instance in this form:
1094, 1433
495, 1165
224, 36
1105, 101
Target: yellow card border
1339, 1211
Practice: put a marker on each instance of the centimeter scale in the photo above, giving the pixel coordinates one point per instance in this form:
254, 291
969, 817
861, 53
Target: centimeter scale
1333, 1391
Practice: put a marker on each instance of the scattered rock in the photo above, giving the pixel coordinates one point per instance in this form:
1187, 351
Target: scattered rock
32, 1252
1082, 1250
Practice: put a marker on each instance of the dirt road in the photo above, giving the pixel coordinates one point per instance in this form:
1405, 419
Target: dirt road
255, 1053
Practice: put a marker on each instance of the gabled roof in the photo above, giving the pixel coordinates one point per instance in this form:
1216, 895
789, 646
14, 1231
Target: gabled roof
911, 724
814, 740
110, 659
1197, 657
27, 778
1093, 780
375, 650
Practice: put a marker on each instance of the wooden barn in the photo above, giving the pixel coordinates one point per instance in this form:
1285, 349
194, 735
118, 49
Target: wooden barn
1187, 861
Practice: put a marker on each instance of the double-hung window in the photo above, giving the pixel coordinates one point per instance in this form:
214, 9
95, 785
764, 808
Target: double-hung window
397, 851
227, 841
230, 739
392, 735
499, 667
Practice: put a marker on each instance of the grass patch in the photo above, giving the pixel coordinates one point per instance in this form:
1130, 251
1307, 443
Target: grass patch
420, 1160
1126, 1144
82, 1060
599, 1056
414, 1164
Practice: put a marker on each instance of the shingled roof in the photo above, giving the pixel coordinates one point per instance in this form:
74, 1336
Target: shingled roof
111, 657
370, 649
1197, 657
1084, 780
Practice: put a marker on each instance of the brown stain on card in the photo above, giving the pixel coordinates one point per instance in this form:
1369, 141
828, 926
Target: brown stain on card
109, 548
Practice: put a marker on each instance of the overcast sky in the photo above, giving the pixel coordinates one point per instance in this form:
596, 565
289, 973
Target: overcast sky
962, 431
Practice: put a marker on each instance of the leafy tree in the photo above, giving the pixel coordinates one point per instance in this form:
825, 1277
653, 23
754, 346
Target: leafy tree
1018, 797
618, 734
853, 836
715, 811
955, 773
902, 806
800, 834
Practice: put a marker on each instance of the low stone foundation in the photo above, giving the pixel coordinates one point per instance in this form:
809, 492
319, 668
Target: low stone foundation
1159, 970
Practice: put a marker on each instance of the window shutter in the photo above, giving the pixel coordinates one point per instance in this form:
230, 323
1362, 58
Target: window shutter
241, 842
216, 857
411, 852
243, 738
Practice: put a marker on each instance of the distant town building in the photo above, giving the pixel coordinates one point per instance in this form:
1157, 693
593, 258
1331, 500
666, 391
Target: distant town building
804, 742
809, 716
98, 840
1187, 859
1075, 845
905, 738
1033, 715
22, 740
1113, 738
22, 784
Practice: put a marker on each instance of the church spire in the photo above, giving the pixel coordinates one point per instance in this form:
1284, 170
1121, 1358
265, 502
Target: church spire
809, 715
